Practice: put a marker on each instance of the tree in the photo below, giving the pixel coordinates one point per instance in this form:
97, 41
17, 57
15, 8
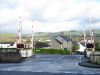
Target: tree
97, 46
41, 44
75, 47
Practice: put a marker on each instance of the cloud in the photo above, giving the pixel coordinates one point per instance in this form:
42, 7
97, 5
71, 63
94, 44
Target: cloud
97, 25
62, 11
57, 26
48, 15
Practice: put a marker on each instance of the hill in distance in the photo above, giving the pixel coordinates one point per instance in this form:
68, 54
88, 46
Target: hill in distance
44, 35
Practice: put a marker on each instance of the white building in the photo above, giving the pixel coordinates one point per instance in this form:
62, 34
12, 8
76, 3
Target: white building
8, 45
81, 47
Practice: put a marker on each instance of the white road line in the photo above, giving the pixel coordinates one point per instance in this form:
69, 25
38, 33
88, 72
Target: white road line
61, 57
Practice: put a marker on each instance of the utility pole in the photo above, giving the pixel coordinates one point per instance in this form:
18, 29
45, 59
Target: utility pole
33, 40
20, 36
70, 44
92, 33
34, 43
91, 30
84, 35
32, 37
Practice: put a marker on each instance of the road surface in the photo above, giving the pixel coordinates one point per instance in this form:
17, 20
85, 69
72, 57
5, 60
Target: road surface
48, 65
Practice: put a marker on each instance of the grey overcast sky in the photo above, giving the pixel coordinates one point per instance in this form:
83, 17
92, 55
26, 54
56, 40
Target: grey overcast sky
48, 15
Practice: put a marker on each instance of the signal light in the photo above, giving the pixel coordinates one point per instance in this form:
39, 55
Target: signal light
20, 45
90, 45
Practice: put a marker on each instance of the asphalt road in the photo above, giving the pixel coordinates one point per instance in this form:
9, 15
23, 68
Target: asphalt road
48, 65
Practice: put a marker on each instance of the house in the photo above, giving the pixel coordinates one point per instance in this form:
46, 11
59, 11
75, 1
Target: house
81, 47
61, 42
7, 45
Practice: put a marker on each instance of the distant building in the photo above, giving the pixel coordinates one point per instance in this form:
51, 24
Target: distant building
61, 42
7, 45
81, 47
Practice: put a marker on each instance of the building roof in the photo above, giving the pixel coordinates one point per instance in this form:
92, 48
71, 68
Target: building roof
64, 38
11, 43
58, 41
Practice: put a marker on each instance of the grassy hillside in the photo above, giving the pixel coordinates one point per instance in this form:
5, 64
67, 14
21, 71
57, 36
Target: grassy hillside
7, 37
76, 35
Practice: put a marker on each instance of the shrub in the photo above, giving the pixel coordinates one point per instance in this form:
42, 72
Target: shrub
51, 51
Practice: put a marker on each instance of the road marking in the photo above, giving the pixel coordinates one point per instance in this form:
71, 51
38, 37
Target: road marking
61, 57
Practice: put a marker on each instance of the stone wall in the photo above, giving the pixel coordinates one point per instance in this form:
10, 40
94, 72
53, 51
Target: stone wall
10, 57
95, 58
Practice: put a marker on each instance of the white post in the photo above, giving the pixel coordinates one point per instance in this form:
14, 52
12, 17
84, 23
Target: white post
85, 36
20, 37
91, 19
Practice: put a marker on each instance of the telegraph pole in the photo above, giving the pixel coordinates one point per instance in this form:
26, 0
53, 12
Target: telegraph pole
70, 43
33, 44
20, 36
92, 33
91, 29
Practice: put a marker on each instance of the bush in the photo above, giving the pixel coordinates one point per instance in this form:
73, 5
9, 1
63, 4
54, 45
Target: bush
51, 51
